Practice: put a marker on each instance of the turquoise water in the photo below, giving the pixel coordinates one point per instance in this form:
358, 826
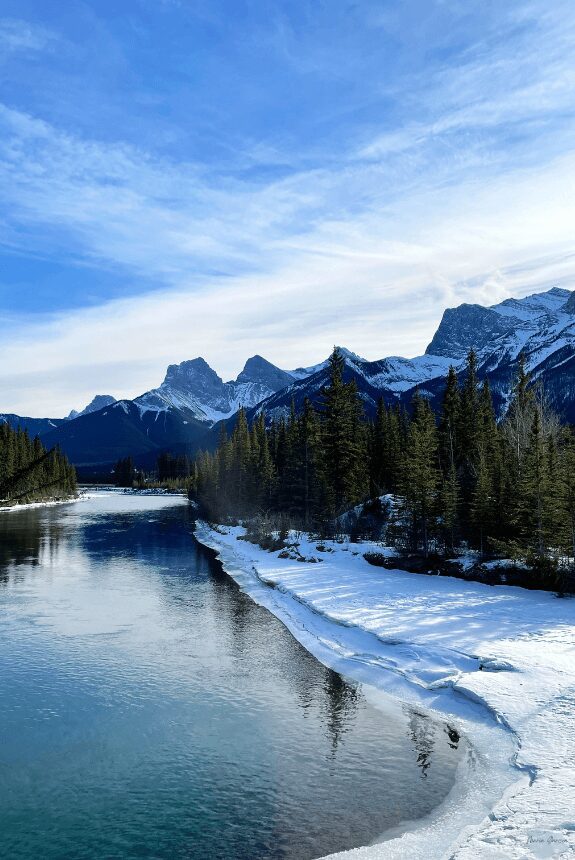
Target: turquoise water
149, 709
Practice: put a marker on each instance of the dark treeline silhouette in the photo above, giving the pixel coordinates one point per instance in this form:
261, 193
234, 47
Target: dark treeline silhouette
172, 467
461, 479
172, 471
29, 472
124, 473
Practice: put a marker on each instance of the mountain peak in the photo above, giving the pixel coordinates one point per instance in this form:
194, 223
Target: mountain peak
466, 327
263, 372
194, 370
351, 356
99, 402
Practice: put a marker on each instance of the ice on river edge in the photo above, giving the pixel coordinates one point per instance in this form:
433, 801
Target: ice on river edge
497, 661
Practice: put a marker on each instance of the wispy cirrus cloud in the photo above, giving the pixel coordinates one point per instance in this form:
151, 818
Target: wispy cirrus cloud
19, 35
461, 188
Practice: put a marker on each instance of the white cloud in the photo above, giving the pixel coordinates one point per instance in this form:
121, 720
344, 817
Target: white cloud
365, 250
346, 283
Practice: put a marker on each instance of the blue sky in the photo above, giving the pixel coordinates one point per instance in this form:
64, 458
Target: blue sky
224, 178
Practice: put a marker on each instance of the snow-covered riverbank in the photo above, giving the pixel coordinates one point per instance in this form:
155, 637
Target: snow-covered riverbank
497, 662
47, 504
89, 493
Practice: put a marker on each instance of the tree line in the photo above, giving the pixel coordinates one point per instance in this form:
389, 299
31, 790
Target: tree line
459, 479
172, 471
29, 472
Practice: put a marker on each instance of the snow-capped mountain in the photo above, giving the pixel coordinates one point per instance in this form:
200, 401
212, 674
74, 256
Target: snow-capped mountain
538, 325
192, 399
99, 401
542, 326
195, 387
175, 416
304, 372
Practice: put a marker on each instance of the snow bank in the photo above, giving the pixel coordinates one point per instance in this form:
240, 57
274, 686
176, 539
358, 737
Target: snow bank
498, 662
27, 506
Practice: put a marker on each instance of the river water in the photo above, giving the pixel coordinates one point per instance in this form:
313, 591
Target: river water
149, 709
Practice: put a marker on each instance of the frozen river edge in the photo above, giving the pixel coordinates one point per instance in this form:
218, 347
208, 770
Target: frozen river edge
498, 663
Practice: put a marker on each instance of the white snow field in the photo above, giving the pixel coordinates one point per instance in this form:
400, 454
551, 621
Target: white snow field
497, 662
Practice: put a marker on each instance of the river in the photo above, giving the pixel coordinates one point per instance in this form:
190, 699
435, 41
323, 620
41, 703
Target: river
150, 709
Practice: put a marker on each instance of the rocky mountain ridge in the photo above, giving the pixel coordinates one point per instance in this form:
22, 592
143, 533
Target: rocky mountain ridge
181, 412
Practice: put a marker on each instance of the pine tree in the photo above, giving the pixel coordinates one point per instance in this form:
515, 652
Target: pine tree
518, 421
533, 491
124, 472
420, 479
566, 494
485, 496
450, 458
240, 465
344, 441
469, 409
264, 472
468, 441
310, 459
450, 423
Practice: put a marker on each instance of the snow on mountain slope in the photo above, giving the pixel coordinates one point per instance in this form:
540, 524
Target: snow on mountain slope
192, 397
279, 404
194, 386
304, 372
542, 325
539, 325
400, 374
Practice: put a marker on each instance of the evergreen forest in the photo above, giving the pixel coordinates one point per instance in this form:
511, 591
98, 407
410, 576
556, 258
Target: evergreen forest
29, 472
460, 479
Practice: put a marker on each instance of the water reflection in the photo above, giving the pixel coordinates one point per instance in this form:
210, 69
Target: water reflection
422, 733
341, 704
25, 539
151, 709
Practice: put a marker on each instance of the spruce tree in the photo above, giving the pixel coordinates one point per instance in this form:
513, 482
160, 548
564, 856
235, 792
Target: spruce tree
240, 465
450, 458
344, 441
420, 476
485, 501
566, 494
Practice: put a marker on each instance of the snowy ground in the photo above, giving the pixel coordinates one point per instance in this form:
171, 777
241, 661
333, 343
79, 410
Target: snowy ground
88, 494
499, 662
51, 504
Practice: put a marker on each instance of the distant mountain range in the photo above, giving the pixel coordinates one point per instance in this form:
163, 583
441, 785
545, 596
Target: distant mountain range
182, 414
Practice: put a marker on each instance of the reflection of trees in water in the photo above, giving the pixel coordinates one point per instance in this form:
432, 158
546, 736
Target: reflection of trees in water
27, 538
153, 536
422, 734
254, 634
255, 630
453, 736
341, 704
